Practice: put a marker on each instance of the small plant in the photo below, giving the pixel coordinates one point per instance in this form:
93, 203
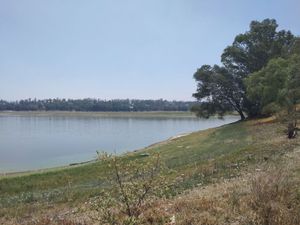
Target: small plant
135, 184
102, 155
274, 199
234, 199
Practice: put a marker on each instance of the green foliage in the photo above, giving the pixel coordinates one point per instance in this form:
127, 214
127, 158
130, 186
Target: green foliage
223, 88
264, 86
220, 91
95, 105
252, 50
276, 90
295, 48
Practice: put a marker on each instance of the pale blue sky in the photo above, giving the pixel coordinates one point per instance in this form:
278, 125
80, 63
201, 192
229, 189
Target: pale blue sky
144, 49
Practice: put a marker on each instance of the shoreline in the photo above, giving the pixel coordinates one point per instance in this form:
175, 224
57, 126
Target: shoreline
101, 114
77, 164
141, 114
44, 170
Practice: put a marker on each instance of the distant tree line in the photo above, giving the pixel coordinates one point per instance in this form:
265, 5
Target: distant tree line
94, 105
259, 76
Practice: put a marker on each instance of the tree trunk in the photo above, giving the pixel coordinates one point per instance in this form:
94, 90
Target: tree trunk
242, 115
292, 132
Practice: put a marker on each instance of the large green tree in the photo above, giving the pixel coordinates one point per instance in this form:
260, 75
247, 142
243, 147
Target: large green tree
252, 50
275, 89
218, 90
264, 85
249, 53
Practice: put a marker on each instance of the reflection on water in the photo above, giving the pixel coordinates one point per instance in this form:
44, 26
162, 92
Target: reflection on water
33, 142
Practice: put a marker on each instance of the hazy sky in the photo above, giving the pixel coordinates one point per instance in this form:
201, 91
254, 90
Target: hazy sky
145, 49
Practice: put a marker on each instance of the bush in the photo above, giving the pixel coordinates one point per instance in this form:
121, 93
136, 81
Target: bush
274, 200
136, 184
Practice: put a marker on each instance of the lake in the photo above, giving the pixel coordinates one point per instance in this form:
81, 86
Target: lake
29, 142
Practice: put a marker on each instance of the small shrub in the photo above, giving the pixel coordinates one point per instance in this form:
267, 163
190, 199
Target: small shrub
136, 184
274, 199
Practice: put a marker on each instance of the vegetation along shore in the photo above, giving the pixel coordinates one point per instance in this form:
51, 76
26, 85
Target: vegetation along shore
145, 114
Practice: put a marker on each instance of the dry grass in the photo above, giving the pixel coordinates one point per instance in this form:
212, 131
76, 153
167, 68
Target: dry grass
274, 200
48, 221
267, 197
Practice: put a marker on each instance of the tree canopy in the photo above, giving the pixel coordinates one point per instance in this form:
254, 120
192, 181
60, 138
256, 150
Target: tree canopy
223, 88
264, 86
220, 90
252, 50
276, 90
124, 105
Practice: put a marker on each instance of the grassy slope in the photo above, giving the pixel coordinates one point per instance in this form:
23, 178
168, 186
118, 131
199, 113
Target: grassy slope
199, 159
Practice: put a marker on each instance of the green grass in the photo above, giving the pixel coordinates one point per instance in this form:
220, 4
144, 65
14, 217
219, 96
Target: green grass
198, 158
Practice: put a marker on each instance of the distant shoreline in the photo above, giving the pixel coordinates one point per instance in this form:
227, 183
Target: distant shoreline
168, 114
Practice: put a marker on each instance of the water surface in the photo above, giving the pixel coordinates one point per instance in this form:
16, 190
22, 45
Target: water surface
30, 142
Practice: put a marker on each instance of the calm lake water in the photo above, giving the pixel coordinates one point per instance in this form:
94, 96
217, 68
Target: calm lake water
35, 142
